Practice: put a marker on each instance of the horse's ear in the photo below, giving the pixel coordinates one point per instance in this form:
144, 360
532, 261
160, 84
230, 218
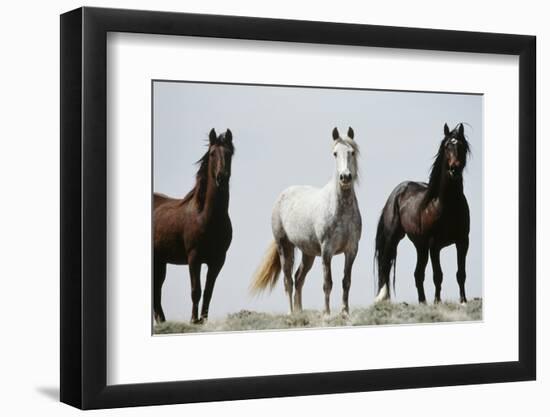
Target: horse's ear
212, 136
228, 135
461, 129
446, 130
351, 134
335, 134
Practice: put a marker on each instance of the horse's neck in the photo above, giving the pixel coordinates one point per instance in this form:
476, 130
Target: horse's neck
448, 192
216, 200
341, 200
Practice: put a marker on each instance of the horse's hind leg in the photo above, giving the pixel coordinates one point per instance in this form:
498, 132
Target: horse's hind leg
421, 262
346, 282
388, 235
286, 254
386, 259
159, 273
299, 279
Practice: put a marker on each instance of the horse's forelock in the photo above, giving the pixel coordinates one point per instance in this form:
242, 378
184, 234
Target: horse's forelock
455, 133
348, 142
226, 143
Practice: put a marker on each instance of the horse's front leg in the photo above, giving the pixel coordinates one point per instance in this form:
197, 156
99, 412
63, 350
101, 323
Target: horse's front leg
214, 269
286, 254
437, 271
326, 255
195, 275
461, 251
346, 282
299, 279
421, 261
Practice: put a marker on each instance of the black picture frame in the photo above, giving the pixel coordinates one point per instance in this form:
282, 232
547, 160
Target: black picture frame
84, 207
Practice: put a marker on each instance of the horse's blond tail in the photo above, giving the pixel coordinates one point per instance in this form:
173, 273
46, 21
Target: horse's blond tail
268, 272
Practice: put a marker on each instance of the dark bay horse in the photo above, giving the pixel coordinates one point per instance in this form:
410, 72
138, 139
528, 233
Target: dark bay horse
432, 215
195, 230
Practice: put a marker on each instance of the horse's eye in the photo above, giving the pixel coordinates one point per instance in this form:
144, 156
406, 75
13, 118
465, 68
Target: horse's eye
352, 153
334, 153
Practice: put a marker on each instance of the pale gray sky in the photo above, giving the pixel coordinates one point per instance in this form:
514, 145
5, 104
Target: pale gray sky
282, 137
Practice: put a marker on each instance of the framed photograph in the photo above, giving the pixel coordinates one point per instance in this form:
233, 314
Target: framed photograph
257, 208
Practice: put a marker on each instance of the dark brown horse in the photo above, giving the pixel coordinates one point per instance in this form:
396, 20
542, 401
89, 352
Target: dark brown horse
433, 216
195, 230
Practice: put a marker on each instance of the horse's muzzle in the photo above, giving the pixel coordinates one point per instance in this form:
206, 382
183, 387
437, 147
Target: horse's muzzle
345, 181
455, 172
345, 178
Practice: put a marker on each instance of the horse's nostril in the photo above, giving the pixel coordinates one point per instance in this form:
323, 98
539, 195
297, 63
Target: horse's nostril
454, 170
345, 177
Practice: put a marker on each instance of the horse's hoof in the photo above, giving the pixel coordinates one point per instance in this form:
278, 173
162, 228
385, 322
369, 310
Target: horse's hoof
383, 299
437, 301
383, 295
197, 321
464, 303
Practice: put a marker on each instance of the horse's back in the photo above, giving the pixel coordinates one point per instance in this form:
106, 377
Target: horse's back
293, 219
406, 189
297, 200
406, 193
159, 199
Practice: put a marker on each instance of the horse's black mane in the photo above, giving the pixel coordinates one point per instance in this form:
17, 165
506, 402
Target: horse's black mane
437, 166
201, 177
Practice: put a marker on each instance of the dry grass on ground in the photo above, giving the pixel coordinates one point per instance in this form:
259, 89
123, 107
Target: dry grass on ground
377, 314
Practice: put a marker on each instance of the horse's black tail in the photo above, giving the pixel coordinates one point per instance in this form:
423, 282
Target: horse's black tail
385, 253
